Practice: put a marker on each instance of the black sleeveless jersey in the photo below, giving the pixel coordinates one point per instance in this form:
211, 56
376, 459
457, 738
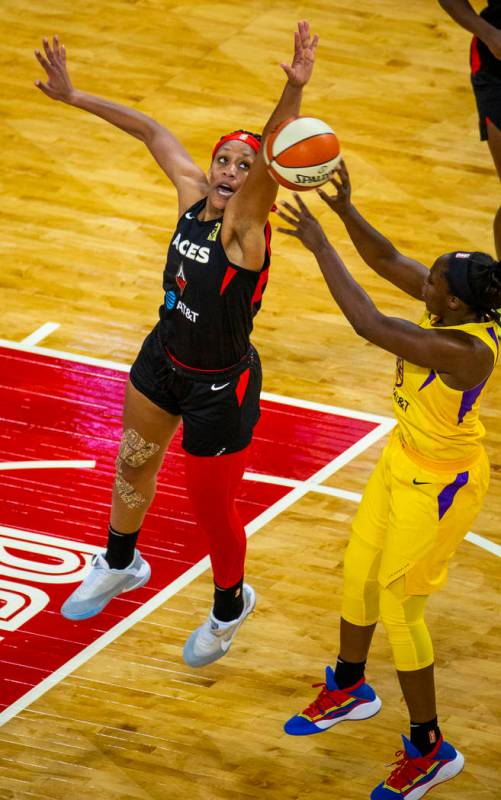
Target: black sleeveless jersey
207, 316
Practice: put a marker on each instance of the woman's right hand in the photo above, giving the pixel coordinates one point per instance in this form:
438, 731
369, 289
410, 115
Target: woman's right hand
58, 85
341, 201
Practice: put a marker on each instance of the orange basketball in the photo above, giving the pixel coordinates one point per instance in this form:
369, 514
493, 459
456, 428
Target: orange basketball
302, 153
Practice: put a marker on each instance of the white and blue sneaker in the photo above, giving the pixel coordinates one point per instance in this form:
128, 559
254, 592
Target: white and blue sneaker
414, 774
333, 705
102, 584
213, 639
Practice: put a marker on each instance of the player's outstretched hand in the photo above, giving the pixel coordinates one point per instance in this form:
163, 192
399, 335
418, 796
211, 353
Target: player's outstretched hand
299, 72
305, 226
58, 85
340, 201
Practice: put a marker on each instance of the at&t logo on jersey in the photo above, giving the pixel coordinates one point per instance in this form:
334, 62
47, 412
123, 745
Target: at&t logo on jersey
190, 250
191, 315
170, 299
400, 400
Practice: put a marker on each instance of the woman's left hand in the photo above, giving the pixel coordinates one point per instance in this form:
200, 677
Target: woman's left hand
299, 72
306, 227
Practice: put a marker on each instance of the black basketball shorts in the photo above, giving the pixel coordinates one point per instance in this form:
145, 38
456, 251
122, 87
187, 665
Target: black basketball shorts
487, 91
219, 410
486, 83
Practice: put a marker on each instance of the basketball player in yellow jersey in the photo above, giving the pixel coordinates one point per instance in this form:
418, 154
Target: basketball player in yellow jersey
427, 487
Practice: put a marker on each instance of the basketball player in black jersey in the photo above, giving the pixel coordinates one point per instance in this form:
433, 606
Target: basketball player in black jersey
197, 364
485, 62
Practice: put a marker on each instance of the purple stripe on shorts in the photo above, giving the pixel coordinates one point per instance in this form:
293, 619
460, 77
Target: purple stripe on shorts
493, 336
447, 495
468, 399
431, 377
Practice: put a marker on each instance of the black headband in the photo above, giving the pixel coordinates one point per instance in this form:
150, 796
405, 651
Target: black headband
457, 275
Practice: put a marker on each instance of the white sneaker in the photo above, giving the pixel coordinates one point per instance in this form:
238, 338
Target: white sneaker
102, 584
213, 639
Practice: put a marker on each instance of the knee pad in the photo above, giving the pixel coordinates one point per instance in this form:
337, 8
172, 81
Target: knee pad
403, 618
360, 604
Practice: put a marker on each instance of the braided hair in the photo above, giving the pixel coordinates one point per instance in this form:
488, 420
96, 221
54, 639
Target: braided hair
480, 284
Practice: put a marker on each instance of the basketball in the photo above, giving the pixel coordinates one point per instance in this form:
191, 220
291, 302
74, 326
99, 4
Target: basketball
302, 153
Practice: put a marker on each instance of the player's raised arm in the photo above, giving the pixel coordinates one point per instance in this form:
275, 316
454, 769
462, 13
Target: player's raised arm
189, 180
465, 359
249, 208
375, 249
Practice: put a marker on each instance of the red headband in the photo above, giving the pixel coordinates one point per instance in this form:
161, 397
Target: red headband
239, 136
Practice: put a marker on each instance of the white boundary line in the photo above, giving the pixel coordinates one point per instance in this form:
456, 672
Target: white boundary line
277, 398
322, 474
104, 640
78, 358
41, 333
187, 577
385, 424
484, 543
47, 465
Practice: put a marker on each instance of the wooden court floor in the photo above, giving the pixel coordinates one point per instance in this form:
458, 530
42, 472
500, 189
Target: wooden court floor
86, 219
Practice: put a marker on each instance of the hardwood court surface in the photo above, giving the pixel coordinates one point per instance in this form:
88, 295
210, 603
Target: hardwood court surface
85, 223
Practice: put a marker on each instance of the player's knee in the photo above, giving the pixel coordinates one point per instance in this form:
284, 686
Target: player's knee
403, 618
134, 451
133, 461
360, 604
361, 608
361, 563
411, 645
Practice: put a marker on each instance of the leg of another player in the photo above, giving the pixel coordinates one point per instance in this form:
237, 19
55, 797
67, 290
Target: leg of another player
403, 618
360, 605
426, 759
494, 141
418, 688
355, 640
345, 695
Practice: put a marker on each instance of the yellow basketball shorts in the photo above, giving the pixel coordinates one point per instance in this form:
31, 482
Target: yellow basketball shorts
416, 518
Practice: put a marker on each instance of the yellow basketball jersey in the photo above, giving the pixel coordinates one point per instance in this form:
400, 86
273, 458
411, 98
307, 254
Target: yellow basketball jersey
438, 426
